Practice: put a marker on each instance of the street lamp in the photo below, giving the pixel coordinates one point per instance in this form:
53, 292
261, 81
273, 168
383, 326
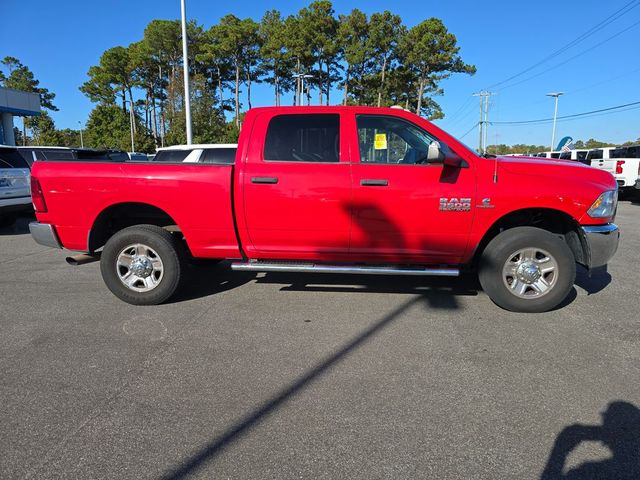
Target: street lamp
301, 77
308, 92
81, 139
185, 68
133, 148
555, 114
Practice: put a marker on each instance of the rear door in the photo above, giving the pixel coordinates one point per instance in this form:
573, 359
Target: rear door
297, 188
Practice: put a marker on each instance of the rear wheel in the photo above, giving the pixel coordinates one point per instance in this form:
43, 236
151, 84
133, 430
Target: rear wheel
142, 265
527, 269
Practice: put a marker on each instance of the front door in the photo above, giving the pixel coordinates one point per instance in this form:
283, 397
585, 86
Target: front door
406, 209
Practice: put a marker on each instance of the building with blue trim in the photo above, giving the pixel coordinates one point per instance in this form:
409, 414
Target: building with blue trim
15, 102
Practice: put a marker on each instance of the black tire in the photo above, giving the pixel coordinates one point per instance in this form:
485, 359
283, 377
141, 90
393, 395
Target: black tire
500, 286
162, 245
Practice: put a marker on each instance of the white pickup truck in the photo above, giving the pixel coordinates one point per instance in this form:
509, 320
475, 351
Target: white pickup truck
15, 188
622, 162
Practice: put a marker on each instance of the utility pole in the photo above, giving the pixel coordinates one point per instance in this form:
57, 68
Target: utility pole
482, 123
185, 67
555, 114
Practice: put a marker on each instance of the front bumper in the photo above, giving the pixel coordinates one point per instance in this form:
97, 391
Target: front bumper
44, 234
601, 242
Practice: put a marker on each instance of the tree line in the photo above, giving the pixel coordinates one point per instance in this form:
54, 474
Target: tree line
304, 58
502, 149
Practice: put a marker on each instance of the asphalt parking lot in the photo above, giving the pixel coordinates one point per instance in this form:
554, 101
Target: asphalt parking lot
288, 376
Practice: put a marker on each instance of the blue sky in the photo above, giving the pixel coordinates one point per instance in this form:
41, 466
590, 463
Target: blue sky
60, 40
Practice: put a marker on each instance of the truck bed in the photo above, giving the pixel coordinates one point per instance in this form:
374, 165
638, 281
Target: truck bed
197, 197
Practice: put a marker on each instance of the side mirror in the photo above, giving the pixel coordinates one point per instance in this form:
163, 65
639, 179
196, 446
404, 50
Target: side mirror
434, 154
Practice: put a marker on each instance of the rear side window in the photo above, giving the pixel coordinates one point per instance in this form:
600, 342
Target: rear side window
55, 155
565, 155
11, 158
618, 153
595, 155
171, 156
219, 155
303, 138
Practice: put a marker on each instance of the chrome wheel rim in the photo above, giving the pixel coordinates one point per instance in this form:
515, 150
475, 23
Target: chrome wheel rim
530, 273
139, 267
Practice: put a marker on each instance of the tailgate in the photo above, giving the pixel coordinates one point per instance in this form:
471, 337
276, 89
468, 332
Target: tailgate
606, 165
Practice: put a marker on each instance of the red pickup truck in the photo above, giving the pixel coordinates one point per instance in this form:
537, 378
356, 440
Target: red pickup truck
336, 189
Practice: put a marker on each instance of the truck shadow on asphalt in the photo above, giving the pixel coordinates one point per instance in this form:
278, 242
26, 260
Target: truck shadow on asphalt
210, 279
619, 432
439, 292
592, 283
21, 227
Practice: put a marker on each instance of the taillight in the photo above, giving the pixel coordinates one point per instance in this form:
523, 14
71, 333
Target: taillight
619, 165
37, 197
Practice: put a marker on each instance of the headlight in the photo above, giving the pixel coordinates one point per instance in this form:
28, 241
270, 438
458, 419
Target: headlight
605, 205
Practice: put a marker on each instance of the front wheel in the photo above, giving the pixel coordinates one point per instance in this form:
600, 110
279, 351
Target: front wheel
527, 269
142, 265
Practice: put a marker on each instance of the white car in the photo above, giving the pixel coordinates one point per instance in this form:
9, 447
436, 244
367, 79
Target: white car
577, 155
220, 153
15, 187
622, 162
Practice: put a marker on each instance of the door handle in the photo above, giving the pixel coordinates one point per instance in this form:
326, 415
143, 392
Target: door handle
268, 180
374, 182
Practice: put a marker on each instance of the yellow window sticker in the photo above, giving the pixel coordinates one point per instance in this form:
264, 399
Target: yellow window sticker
380, 142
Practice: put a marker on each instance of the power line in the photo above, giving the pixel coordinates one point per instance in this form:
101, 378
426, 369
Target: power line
611, 18
575, 115
469, 131
571, 58
453, 116
464, 116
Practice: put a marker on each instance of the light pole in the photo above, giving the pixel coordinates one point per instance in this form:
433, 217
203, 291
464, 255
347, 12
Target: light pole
133, 147
555, 114
308, 77
185, 68
301, 77
81, 139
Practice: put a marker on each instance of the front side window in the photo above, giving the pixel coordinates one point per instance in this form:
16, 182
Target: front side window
303, 138
392, 140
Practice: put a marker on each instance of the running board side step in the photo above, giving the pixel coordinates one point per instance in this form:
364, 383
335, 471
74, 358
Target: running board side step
349, 269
